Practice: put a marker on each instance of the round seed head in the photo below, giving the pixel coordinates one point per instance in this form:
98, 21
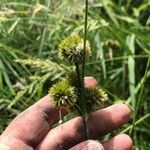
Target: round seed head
72, 48
95, 98
63, 94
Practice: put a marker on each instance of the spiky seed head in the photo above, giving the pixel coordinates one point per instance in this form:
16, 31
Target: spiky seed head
95, 97
63, 94
72, 48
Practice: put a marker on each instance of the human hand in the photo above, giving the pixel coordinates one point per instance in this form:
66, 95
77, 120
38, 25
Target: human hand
32, 129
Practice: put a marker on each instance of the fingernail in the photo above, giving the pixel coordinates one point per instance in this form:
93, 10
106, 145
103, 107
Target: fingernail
93, 145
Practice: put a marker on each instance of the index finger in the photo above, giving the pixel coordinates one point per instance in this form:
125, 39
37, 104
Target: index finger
34, 123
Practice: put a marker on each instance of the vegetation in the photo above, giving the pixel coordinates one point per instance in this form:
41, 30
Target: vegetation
118, 32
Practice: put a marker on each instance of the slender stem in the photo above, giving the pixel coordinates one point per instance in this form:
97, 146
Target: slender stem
85, 37
140, 95
78, 77
136, 123
116, 59
83, 106
81, 102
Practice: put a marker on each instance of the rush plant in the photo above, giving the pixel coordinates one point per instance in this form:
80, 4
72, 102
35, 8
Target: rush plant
70, 92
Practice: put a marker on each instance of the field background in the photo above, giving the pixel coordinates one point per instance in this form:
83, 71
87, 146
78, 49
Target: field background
119, 34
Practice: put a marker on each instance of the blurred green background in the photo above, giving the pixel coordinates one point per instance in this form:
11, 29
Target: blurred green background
119, 34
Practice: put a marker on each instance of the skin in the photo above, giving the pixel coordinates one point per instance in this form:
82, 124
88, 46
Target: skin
32, 129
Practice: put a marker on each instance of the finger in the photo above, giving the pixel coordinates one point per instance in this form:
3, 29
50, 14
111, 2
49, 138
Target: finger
100, 122
90, 82
88, 145
119, 142
34, 123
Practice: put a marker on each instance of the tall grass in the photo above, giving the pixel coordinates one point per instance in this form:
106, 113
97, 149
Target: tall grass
30, 32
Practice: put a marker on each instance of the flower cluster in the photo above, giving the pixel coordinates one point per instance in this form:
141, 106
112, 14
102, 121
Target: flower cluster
63, 94
67, 93
95, 98
72, 47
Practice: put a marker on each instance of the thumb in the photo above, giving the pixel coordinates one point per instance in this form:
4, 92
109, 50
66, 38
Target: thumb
88, 145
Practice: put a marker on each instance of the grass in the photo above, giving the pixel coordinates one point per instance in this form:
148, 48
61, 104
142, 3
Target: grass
31, 31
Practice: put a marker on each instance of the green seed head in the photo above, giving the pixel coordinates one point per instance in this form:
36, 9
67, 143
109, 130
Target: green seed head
95, 98
72, 47
63, 94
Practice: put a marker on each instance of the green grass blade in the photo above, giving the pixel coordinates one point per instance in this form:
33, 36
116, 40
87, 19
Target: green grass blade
6, 77
100, 54
131, 69
44, 30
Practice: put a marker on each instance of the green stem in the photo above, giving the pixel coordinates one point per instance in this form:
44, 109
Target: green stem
139, 98
78, 77
85, 37
81, 102
83, 106
136, 123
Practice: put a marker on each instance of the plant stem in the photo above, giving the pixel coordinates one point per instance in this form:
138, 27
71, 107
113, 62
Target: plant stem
139, 98
82, 102
78, 78
83, 106
136, 123
85, 37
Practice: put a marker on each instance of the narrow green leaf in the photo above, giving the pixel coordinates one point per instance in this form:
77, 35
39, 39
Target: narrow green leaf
100, 54
131, 69
6, 77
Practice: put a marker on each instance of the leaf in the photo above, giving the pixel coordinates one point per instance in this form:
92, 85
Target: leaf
131, 69
100, 54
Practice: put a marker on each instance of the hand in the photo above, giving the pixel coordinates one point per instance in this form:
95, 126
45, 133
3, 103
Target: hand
32, 129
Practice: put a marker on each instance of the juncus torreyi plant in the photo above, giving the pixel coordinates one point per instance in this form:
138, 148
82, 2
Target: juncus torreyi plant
67, 93
71, 92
